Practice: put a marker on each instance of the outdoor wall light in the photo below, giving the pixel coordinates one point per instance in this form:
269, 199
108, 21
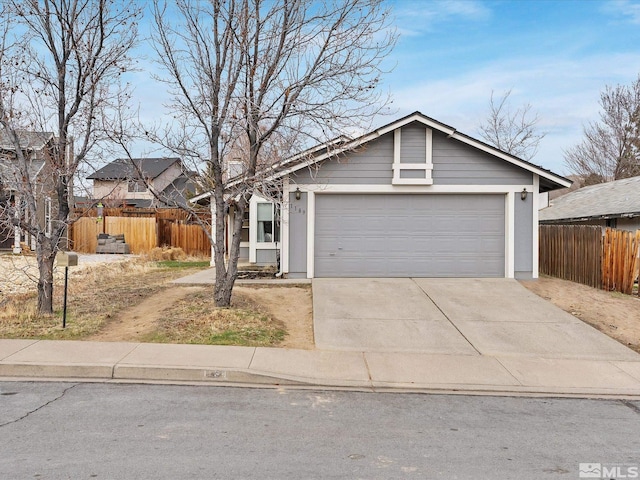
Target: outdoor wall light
298, 193
523, 194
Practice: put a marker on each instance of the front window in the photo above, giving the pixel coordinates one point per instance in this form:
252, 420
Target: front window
265, 223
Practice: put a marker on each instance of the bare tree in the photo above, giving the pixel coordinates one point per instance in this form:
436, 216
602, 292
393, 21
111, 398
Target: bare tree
60, 77
610, 149
512, 131
253, 78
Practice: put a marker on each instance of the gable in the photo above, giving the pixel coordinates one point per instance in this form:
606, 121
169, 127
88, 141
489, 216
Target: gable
414, 155
456, 163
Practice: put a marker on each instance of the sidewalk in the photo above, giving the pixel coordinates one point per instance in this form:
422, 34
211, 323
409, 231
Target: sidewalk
371, 371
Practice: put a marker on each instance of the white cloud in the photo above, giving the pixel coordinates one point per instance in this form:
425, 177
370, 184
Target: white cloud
624, 8
564, 92
416, 18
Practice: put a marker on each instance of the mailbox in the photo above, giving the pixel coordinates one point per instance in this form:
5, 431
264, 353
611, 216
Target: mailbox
67, 259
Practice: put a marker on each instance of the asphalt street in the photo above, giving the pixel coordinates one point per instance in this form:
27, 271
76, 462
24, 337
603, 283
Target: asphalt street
126, 431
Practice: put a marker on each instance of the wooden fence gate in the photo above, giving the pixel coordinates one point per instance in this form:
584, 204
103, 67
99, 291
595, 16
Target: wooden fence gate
142, 233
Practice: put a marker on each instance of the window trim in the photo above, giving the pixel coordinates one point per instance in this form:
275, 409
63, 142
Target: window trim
254, 245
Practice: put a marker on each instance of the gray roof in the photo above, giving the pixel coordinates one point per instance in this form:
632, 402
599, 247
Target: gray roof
620, 198
28, 140
122, 168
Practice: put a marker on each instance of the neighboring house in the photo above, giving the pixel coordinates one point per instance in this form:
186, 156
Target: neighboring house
415, 198
35, 146
126, 182
613, 204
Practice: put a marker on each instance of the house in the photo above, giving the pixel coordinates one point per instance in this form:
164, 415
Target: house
35, 147
415, 198
125, 182
613, 204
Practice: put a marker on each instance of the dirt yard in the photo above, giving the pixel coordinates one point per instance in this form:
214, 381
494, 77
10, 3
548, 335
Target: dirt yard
612, 313
148, 299
289, 305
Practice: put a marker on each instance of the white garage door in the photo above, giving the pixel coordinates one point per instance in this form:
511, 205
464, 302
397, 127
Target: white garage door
409, 235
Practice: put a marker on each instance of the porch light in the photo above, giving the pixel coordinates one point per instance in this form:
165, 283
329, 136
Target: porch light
298, 193
523, 194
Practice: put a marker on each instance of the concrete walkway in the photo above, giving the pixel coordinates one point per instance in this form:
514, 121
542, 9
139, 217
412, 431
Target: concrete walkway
374, 371
404, 335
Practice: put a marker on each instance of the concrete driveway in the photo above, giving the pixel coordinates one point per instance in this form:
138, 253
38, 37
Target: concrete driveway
493, 317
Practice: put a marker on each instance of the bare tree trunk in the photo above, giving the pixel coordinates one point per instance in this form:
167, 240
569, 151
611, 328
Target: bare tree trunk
45, 257
257, 78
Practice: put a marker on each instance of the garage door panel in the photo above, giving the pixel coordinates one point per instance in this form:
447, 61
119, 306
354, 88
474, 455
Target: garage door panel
409, 235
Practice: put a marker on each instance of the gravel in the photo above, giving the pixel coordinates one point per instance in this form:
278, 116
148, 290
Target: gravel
19, 273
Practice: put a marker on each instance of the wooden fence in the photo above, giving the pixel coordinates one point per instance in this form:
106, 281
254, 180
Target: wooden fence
191, 239
620, 260
142, 233
572, 253
583, 254
139, 233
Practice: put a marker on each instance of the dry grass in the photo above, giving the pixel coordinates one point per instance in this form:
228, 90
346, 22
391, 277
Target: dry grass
166, 253
96, 294
197, 320
102, 293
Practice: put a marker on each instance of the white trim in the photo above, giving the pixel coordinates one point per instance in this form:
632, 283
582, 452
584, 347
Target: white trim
536, 240
398, 166
397, 145
253, 229
350, 188
429, 153
509, 230
284, 226
311, 227
511, 192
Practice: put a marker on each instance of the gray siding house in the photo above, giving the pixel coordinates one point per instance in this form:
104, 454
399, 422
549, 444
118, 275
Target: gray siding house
415, 198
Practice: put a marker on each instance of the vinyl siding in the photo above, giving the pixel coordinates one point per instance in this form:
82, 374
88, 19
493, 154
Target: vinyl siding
413, 144
369, 165
455, 163
523, 248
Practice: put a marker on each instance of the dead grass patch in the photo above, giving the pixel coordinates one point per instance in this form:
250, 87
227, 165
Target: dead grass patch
96, 294
197, 320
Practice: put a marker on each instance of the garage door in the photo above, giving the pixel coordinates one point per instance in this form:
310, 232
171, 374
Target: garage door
409, 235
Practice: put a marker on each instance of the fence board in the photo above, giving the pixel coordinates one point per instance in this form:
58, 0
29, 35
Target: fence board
84, 234
139, 232
620, 260
572, 253
191, 238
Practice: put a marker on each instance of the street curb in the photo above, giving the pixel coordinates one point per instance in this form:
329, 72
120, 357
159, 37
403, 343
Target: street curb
131, 374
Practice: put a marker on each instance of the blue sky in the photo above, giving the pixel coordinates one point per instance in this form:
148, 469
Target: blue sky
555, 55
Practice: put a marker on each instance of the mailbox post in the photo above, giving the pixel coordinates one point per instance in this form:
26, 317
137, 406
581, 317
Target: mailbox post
66, 260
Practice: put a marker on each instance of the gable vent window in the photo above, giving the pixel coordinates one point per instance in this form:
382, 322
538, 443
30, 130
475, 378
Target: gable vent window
412, 156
